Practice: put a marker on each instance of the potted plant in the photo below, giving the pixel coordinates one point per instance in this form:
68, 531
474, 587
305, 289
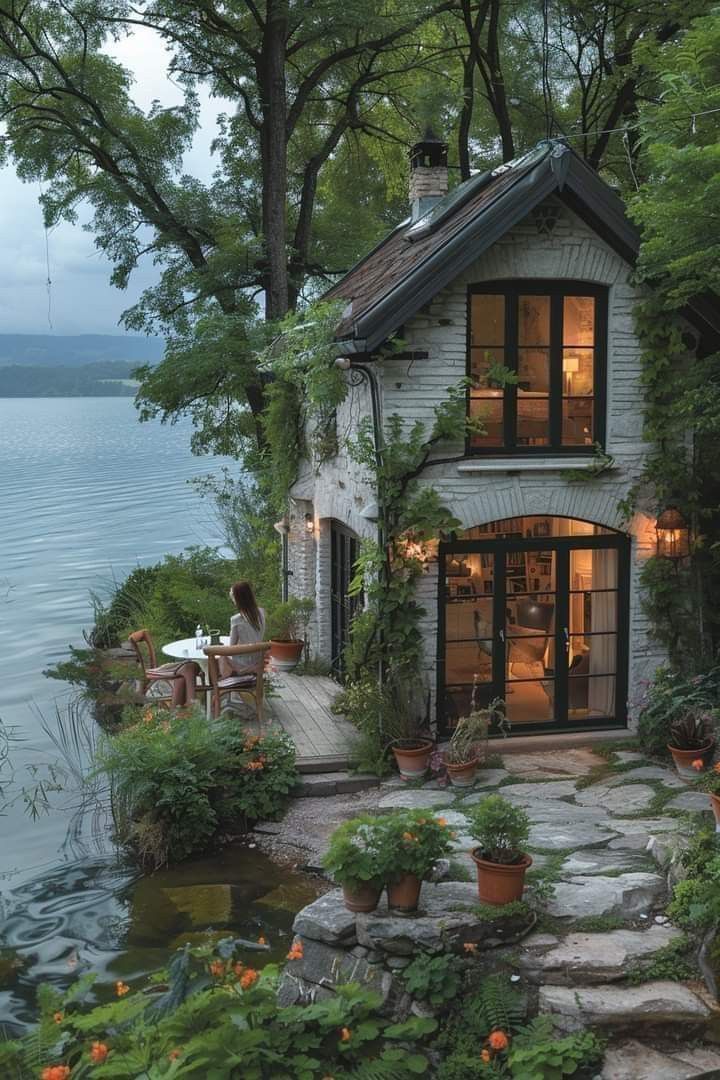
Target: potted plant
501, 830
709, 782
412, 843
286, 631
468, 742
692, 736
356, 860
411, 747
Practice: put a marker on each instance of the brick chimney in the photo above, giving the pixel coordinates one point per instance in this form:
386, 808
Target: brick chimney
428, 174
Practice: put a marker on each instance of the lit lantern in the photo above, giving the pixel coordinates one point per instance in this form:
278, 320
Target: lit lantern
673, 534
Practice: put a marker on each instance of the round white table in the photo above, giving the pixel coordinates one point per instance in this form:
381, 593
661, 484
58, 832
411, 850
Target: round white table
186, 649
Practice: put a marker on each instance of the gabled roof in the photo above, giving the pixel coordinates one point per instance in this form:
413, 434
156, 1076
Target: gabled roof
416, 260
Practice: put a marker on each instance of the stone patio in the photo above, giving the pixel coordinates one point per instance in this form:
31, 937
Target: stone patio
612, 844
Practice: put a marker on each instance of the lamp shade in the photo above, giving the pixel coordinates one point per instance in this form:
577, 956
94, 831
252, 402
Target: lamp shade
673, 534
533, 615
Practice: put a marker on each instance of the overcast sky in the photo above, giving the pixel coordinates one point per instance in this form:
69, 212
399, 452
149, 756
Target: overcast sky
82, 301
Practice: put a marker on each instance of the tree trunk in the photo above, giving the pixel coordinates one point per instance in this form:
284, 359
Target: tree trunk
271, 78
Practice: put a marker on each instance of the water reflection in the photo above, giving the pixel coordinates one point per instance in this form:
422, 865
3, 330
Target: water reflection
106, 918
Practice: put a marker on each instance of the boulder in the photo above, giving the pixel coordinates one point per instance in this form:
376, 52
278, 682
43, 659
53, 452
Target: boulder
327, 919
593, 958
627, 895
661, 1004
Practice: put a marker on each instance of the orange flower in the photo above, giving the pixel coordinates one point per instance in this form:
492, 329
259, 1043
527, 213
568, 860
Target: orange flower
217, 969
262, 940
345, 1034
442, 821
485, 1057
253, 765
408, 837
58, 1017
698, 764
121, 988
296, 951
148, 716
55, 1072
470, 947
174, 1055
716, 767
498, 1040
249, 978
98, 1052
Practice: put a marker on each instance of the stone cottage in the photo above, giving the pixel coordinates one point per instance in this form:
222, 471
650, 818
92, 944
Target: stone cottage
526, 269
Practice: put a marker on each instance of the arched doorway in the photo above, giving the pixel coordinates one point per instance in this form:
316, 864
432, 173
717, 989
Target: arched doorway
535, 610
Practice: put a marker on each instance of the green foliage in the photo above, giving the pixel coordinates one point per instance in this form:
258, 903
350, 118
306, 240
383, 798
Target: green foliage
210, 1016
495, 1006
500, 829
383, 712
413, 841
288, 621
435, 979
668, 697
356, 854
178, 780
539, 1053
672, 962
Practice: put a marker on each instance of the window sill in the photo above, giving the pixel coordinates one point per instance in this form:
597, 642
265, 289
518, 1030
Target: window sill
519, 464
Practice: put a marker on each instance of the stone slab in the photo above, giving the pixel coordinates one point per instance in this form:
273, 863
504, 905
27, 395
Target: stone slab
636, 832
599, 861
627, 895
667, 777
561, 836
622, 799
659, 1004
594, 958
559, 812
633, 1060
625, 756
490, 777
416, 799
550, 789
690, 800
568, 761
327, 919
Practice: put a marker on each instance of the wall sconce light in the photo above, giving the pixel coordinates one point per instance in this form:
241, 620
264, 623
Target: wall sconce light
413, 547
673, 534
309, 523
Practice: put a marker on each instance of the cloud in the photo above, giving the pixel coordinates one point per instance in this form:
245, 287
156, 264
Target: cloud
80, 298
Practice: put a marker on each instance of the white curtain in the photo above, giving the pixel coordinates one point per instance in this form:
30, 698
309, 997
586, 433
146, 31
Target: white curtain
601, 697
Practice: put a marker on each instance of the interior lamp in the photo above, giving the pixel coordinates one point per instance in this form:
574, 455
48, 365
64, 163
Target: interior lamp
571, 366
673, 534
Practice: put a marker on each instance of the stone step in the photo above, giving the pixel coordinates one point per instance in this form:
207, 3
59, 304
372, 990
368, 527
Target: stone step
672, 1008
592, 958
634, 1060
625, 895
318, 785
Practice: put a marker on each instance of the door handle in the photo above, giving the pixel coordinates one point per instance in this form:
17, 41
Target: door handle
566, 632
502, 635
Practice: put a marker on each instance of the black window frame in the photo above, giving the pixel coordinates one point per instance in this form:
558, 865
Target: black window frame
557, 290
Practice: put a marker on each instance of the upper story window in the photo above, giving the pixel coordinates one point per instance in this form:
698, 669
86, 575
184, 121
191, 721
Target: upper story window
551, 336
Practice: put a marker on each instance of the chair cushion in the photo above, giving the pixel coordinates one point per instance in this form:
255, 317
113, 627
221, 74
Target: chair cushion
234, 682
165, 671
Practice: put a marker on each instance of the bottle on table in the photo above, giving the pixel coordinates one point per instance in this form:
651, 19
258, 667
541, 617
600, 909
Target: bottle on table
198, 637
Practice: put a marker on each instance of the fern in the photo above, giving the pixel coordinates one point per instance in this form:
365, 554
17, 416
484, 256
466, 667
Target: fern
391, 1065
503, 1006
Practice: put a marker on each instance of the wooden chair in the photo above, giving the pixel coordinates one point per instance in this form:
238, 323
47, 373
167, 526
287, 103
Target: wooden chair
181, 675
251, 684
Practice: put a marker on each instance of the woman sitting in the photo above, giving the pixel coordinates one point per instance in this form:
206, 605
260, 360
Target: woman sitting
247, 626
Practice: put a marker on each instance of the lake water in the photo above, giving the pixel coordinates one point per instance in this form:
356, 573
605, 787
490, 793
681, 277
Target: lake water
86, 494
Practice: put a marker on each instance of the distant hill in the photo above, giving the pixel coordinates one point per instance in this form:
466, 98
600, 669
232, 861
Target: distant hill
48, 350
102, 379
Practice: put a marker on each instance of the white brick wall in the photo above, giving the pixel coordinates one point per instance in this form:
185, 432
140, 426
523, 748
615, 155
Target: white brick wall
572, 251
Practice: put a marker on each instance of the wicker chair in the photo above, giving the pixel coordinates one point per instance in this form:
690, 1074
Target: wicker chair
250, 684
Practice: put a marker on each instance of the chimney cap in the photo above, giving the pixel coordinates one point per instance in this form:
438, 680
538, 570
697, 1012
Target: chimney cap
428, 152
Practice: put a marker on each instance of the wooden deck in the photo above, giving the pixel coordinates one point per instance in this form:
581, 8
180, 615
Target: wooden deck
300, 705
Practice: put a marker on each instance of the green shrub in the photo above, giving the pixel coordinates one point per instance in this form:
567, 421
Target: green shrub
209, 1016
177, 780
500, 829
356, 854
539, 1053
289, 621
496, 1006
435, 979
666, 698
413, 841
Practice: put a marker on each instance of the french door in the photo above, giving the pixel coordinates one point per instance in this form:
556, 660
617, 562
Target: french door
344, 551
541, 623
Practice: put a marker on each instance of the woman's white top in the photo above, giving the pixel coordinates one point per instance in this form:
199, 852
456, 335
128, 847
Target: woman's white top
244, 633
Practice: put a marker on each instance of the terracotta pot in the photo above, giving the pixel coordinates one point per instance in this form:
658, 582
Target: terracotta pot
363, 897
463, 775
413, 757
715, 804
684, 758
500, 883
285, 655
404, 894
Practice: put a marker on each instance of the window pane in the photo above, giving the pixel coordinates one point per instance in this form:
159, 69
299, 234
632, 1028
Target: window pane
487, 406
534, 370
480, 363
487, 320
534, 320
578, 371
579, 320
577, 421
533, 420
466, 660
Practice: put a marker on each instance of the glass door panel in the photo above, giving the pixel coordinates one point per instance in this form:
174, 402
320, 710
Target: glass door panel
530, 635
469, 632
